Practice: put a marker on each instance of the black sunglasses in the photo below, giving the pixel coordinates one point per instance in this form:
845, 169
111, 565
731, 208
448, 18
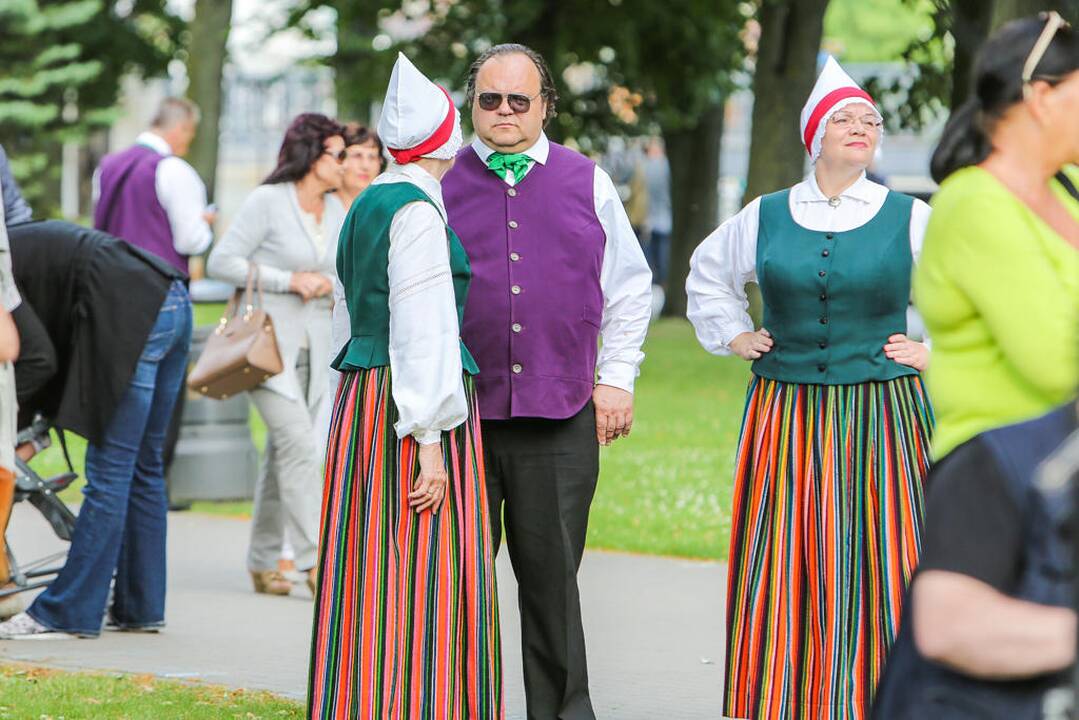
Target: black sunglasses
339, 156
519, 104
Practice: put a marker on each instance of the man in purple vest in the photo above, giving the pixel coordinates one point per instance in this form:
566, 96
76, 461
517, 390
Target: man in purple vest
151, 197
556, 268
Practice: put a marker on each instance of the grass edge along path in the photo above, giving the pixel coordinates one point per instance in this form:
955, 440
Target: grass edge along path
40, 693
666, 489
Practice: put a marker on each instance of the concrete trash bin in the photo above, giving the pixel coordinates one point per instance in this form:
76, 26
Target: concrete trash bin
215, 457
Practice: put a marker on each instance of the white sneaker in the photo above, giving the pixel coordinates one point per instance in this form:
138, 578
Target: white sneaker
24, 627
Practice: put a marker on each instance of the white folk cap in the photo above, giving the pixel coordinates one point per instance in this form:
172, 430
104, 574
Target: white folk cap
835, 89
418, 117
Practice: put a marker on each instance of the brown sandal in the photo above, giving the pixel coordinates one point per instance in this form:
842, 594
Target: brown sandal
271, 582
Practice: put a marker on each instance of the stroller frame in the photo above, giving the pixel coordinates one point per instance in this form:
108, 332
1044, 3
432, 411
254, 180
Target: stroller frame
42, 494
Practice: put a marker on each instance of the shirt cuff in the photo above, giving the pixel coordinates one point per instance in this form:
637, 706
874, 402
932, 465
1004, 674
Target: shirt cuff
728, 336
427, 437
617, 373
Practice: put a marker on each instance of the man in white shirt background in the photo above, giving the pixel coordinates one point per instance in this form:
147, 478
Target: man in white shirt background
151, 197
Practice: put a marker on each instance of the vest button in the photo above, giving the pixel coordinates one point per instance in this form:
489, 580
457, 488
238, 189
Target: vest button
516, 289
823, 297
512, 192
514, 257
825, 253
824, 320
822, 345
513, 224
829, 236
822, 273
516, 327
517, 368
822, 368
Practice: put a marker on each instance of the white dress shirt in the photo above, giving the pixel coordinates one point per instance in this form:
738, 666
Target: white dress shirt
425, 349
625, 280
727, 259
182, 193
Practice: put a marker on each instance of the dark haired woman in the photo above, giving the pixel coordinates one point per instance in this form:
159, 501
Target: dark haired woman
835, 436
288, 230
998, 282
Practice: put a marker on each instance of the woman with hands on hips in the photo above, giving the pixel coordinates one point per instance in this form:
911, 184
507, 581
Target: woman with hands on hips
288, 231
835, 436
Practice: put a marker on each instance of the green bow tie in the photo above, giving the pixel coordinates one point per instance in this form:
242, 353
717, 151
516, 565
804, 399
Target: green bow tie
517, 163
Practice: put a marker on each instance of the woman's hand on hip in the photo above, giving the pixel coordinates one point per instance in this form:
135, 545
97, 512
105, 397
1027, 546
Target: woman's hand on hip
907, 352
430, 487
752, 345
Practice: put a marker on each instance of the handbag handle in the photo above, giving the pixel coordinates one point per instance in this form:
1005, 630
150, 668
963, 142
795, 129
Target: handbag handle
254, 277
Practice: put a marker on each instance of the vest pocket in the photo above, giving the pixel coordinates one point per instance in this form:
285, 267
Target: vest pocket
592, 315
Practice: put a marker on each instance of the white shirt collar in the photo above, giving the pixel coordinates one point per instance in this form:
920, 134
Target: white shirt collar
863, 190
538, 152
155, 142
419, 177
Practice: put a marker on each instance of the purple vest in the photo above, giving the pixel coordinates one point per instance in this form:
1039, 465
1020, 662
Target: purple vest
128, 207
535, 304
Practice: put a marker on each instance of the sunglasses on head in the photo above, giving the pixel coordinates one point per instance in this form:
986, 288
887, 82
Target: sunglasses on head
518, 103
338, 155
1053, 23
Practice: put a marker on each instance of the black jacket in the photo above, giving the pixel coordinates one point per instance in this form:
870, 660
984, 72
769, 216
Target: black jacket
97, 298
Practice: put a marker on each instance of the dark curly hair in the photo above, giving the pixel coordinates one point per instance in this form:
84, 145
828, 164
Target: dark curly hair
357, 134
547, 87
302, 147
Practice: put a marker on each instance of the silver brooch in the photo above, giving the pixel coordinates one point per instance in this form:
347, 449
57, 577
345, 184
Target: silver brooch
834, 201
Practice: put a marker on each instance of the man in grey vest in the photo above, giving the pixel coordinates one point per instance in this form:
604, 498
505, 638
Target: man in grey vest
556, 269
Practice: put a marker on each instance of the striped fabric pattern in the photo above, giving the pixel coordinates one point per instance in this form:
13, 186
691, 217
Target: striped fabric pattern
406, 615
828, 507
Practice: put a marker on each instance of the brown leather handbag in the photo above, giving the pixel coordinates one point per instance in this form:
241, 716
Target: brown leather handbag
241, 353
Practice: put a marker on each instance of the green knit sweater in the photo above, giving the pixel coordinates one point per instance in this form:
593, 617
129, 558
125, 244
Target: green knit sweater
999, 292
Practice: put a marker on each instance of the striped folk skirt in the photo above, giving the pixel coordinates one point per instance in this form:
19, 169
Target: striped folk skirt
828, 507
406, 616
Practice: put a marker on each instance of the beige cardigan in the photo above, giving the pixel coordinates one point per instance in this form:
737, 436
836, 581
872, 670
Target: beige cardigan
268, 231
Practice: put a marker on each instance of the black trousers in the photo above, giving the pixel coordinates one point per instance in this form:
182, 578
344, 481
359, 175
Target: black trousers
541, 476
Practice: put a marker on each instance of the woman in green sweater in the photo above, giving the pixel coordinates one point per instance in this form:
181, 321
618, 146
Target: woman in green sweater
998, 281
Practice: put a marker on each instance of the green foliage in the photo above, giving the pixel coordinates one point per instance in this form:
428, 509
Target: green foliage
621, 66
875, 30
61, 62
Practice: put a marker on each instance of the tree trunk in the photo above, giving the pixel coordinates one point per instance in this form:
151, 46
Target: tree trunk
205, 65
356, 28
970, 27
693, 154
786, 71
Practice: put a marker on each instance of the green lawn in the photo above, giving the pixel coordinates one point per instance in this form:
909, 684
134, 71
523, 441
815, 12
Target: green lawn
30, 692
665, 490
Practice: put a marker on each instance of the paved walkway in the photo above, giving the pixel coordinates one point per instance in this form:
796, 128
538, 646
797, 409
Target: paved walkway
654, 626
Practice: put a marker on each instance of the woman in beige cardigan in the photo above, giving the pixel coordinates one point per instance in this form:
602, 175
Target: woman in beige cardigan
287, 230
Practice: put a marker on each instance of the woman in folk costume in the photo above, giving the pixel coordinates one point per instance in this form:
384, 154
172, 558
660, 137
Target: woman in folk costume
406, 618
835, 439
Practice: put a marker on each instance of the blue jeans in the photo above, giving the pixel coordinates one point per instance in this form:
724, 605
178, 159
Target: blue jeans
657, 250
121, 525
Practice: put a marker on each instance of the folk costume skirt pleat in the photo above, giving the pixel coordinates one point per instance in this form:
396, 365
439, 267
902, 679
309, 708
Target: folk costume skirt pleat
406, 615
828, 507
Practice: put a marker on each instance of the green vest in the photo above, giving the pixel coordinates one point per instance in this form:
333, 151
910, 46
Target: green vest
363, 266
832, 299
